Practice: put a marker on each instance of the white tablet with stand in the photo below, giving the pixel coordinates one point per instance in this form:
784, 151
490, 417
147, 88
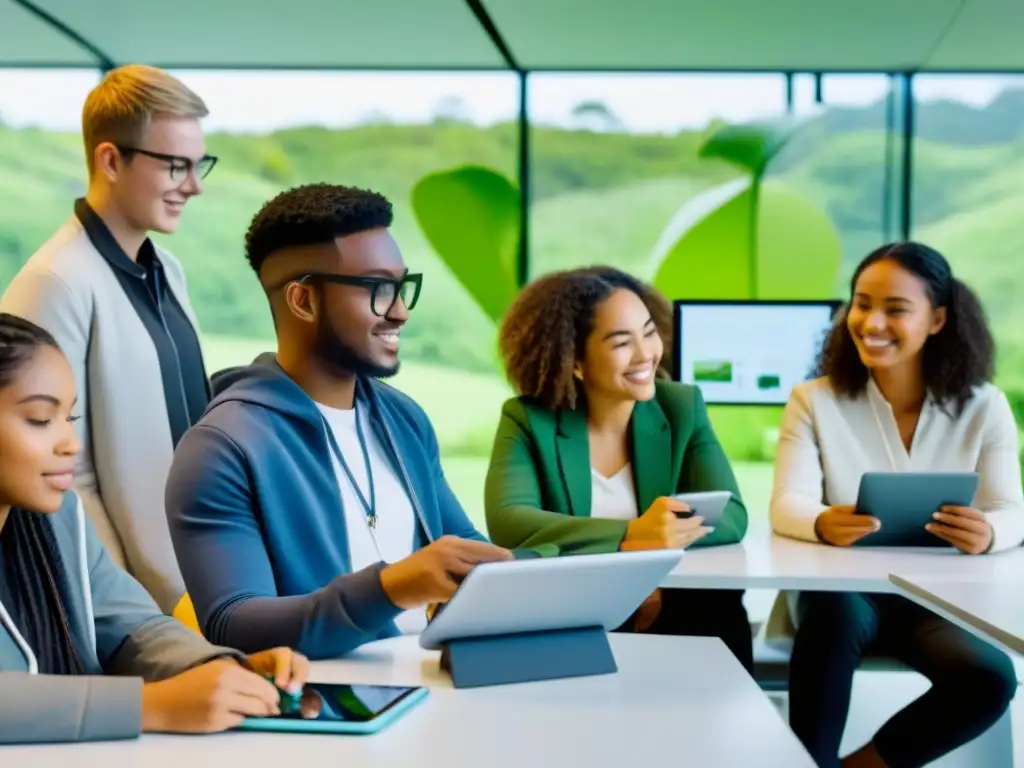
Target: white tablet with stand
542, 618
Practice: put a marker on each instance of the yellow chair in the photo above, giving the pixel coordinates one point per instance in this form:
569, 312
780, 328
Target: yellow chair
185, 612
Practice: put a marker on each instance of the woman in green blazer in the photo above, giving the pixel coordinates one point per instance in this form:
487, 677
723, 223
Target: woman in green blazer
589, 455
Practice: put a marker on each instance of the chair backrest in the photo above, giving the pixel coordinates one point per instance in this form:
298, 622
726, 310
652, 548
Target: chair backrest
185, 612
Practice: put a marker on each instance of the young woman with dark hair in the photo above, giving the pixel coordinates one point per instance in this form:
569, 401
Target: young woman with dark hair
590, 454
85, 654
904, 385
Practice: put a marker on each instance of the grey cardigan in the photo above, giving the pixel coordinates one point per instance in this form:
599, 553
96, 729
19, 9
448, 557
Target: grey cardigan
124, 640
69, 289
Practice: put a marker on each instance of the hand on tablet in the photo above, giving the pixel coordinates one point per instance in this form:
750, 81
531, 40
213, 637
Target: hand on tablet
213, 697
432, 574
288, 668
965, 528
840, 526
661, 528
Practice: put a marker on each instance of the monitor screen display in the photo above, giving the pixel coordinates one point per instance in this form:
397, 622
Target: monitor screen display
749, 352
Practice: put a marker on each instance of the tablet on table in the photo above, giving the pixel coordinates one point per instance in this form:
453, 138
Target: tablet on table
334, 708
548, 594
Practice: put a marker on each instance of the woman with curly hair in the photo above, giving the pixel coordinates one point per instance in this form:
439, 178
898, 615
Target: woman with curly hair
904, 386
590, 454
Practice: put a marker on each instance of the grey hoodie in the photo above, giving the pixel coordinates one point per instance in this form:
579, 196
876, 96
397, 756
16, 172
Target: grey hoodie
123, 638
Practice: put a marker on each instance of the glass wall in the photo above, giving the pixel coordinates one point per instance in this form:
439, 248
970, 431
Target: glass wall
42, 165
381, 131
968, 180
639, 170
847, 156
274, 130
615, 156
615, 160
623, 168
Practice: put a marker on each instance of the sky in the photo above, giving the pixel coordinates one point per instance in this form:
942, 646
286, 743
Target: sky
265, 101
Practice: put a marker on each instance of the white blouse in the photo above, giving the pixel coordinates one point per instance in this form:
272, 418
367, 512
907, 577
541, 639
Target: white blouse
613, 497
826, 443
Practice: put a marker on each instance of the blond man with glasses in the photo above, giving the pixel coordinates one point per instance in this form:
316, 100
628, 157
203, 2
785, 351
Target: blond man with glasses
118, 306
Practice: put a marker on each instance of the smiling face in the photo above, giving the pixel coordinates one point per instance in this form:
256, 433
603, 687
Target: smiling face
891, 316
622, 351
352, 332
151, 192
38, 443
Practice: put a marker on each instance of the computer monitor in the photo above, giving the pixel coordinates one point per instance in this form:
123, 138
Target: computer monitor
749, 352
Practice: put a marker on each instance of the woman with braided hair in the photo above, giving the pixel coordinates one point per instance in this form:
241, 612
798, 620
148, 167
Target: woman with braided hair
85, 654
590, 454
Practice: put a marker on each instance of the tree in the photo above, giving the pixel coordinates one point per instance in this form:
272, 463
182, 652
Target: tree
596, 116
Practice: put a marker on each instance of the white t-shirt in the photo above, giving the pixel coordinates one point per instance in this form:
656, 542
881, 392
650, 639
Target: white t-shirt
392, 540
613, 497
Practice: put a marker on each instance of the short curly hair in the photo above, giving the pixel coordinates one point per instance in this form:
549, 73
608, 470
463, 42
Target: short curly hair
544, 333
958, 358
312, 214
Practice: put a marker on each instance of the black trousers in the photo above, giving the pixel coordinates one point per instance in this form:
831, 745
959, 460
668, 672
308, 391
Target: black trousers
972, 682
705, 613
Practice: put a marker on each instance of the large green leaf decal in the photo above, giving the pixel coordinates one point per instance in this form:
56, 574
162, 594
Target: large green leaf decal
470, 216
744, 239
798, 246
704, 251
708, 251
751, 146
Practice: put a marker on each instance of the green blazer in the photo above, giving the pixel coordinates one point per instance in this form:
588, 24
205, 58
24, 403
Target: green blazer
538, 481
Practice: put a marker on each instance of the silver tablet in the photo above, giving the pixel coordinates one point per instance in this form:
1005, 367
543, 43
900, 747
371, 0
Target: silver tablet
549, 593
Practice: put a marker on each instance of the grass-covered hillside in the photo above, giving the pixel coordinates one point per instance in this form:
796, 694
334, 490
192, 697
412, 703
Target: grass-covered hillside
598, 197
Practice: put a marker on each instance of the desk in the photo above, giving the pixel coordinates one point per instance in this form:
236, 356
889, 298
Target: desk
686, 699
775, 562
992, 610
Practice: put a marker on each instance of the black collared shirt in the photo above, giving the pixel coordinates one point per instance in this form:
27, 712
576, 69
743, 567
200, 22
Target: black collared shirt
8, 595
186, 388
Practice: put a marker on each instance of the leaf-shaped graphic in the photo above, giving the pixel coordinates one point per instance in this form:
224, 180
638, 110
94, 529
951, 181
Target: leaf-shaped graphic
470, 216
705, 251
750, 146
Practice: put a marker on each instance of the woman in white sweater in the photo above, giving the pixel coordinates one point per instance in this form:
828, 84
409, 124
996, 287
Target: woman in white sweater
905, 386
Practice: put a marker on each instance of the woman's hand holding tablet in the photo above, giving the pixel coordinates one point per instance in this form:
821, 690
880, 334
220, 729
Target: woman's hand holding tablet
219, 694
904, 506
665, 525
841, 526
966, 528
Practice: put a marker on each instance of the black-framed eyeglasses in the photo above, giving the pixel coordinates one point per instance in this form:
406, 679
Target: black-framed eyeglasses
178, 167
384, 291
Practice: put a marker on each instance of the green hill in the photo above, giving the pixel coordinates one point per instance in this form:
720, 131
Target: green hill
598, 197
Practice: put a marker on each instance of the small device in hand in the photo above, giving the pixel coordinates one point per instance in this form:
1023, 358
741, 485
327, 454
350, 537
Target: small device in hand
708, 504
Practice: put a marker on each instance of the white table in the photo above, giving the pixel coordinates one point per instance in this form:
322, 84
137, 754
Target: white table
775, 562
992, 610
675, 701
